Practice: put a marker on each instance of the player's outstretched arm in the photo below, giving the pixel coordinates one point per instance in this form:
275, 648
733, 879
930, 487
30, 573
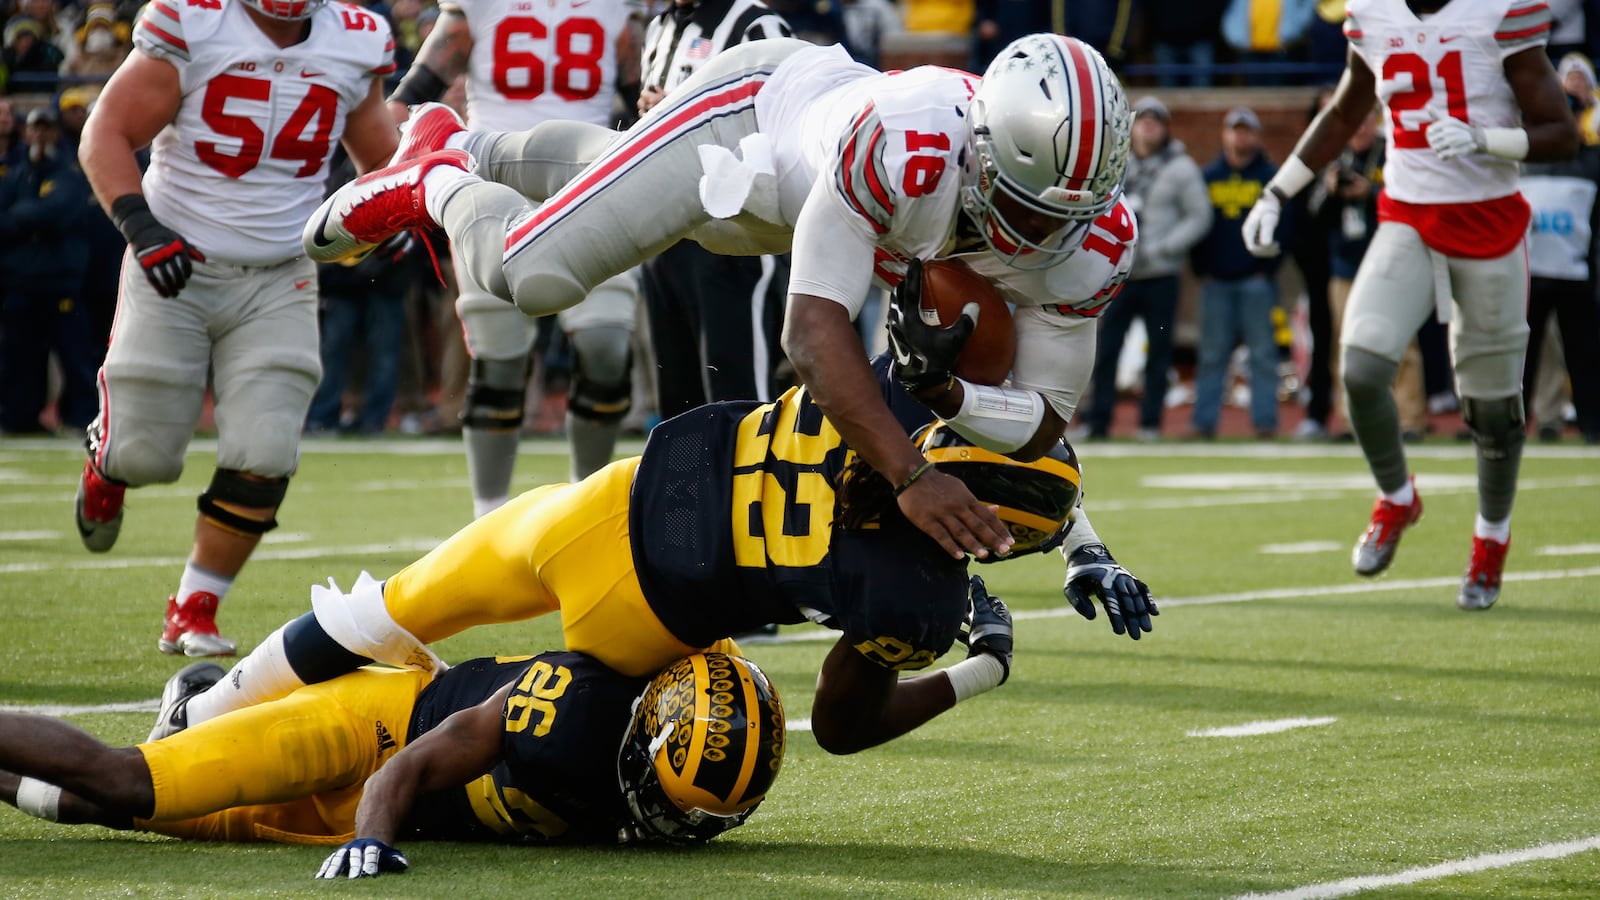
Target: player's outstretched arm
1092, 574
860, 703
830, 359
1552, 132
463, 747
61, 760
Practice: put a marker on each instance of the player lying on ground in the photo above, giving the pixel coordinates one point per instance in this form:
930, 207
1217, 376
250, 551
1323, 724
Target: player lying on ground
778, 145
504, 748
736, 515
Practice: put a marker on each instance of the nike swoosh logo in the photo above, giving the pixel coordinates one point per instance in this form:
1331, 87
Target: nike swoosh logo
306, 74
1446, 40
316, 236
301, 285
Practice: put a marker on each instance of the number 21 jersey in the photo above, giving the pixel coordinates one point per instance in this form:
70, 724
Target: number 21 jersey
1445, 64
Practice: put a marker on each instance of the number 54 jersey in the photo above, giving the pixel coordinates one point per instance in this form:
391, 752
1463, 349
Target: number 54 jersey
537, 60
1448, 64
242, 166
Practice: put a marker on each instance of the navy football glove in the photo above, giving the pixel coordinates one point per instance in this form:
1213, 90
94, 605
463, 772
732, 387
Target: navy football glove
1092, 573
163, 253
924, 355
988, 626
363, 858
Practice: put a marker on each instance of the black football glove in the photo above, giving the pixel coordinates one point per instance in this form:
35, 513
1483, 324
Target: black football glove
988, 626
1091, 572
363, 858
163, 253
924, 355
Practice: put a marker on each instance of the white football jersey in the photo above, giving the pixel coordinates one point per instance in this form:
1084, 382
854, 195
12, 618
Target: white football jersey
242, 167
539, 60
891, 148
1448, 63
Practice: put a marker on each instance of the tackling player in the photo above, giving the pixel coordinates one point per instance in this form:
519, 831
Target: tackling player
736, 515
506, 748
242, 100
561, 61
1469, 92
778, 143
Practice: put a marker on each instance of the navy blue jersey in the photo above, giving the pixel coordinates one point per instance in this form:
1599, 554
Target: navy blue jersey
557, 779
732, 519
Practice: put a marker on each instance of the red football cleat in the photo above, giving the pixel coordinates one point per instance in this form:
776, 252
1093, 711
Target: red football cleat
1480, 587
1375, 550
191, 628
365, 212
430, 125
98, 509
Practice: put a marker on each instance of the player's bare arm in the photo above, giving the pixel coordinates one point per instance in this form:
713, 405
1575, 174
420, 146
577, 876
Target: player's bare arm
71, 774
1552, 133
369, 132
1351, 104
141, 98
463, 747
827, 353
440, 60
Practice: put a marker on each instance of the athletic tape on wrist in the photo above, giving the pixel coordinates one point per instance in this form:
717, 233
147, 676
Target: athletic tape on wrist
997, 418
39, 799
1292, 177
975, 675
1506, 143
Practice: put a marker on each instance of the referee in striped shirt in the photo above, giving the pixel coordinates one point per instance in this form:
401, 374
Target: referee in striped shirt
715, 321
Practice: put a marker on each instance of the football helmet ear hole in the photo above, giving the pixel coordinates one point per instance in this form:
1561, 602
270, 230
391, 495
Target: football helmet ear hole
704, 746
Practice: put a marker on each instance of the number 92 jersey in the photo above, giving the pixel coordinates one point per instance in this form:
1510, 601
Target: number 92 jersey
732, 525
242, 166
538, 60
1450, 63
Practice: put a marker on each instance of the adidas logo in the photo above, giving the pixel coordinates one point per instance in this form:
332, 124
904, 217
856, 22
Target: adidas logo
386, 740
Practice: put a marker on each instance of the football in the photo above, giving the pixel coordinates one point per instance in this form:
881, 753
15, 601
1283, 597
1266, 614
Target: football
947, 286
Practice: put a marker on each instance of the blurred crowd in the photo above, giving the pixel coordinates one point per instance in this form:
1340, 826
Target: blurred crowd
393, 355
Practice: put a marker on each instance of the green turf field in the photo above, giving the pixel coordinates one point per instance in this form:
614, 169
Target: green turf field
1437, 753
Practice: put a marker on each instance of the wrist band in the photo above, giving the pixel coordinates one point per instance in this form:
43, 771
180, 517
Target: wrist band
39, 799
912, 478
1292, 177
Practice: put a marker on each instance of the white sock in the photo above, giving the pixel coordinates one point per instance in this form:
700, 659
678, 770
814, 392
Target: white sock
1494, 531
263, 675
1403, 497
438, 185
457, 140
197, 579
482, 506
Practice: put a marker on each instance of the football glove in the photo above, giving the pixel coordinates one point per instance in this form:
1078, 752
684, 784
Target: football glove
363, 858
988, 626
924, 355
163, 253
1452, 138
1091, 573
1261, 225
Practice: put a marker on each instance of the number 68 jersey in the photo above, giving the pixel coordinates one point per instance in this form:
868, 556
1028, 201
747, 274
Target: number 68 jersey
537, 60
1447, 64
242, 166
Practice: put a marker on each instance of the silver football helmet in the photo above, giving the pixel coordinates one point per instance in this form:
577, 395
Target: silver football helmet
1049, 129
289, 10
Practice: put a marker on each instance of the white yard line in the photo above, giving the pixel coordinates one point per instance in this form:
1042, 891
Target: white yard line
57, 709
1348, 886
1269, 726
30, 535
407, 545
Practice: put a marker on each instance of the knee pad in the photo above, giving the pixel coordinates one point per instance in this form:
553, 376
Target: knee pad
496, 390
601, 390
1499, 427
1366, 374
231, 488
